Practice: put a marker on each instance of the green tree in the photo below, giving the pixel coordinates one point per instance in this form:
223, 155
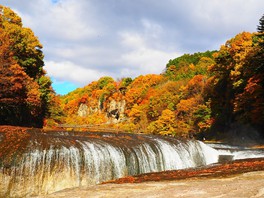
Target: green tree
126, 81
102, 82
189, 65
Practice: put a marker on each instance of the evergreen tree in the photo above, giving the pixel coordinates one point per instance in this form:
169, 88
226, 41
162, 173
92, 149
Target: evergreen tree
260, 27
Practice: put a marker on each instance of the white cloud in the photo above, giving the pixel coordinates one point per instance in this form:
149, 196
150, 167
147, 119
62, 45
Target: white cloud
141, 57
68, 71
68, 21
132, 40
151, 29
65, 20
85, 39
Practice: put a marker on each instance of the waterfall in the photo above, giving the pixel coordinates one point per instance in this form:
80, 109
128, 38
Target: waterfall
238, 152
54, 161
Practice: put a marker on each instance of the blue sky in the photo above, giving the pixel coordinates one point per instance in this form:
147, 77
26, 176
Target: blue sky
86, 39
63, 87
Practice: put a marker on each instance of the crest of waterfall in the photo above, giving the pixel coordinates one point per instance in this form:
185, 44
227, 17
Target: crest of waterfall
55, 161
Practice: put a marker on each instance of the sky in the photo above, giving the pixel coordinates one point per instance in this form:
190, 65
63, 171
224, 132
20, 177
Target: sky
84, 40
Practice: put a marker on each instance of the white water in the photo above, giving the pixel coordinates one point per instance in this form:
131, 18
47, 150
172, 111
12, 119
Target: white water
92, 162
237, 151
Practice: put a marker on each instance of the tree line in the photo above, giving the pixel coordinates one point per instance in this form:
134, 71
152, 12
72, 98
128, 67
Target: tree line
212, 93
26, 95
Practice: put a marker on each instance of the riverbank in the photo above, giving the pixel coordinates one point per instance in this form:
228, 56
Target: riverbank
241, 178
246, 185
214, 170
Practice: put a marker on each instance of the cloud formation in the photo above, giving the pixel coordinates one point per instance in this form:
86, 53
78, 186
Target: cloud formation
87, 39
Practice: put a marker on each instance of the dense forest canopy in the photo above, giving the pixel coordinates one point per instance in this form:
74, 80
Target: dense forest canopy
212, 93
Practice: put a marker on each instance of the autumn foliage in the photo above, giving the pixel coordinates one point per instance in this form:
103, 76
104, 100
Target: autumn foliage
197, 95
25, 91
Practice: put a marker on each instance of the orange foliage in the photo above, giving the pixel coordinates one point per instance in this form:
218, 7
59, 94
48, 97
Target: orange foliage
251, 100
194, 86
237, 90
15, 142
195, 93
139, 87
24, 99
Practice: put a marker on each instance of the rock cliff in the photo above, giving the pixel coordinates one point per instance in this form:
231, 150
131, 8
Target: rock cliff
114, 110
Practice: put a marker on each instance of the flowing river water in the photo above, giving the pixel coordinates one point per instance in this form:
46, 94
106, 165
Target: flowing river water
46, 162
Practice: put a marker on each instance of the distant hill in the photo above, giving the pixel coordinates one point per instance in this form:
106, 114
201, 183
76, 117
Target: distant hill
205, 94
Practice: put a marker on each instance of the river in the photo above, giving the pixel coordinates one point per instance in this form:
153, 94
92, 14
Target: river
39, 163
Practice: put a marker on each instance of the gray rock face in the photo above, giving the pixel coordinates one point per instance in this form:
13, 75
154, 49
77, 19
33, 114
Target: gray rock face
84, 110
114, 111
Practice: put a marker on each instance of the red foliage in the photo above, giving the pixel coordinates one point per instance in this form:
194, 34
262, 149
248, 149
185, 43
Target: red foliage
15, 141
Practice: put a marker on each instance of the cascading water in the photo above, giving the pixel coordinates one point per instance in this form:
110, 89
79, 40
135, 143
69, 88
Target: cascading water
238, 152
57, 160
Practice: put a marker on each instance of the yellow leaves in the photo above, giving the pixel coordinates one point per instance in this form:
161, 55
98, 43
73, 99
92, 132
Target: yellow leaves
136, 113
185, 107
192, 66
8, 15
164, 125
33, 94
138, 89
240, 45
238, 83
167, 116
234, 95
172, 68
24, 45
194, 86
149, 80
182, 128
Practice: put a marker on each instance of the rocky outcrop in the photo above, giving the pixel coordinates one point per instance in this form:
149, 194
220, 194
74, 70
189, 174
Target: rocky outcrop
113, 110
84, 110
116, 111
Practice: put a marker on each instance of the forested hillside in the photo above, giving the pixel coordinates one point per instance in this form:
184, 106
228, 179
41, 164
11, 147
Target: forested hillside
215, 93
205, 94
